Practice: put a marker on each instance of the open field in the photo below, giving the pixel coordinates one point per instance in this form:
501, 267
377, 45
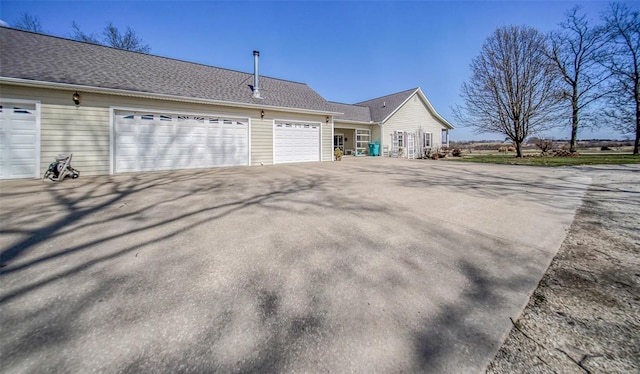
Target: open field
583, 159
589, 153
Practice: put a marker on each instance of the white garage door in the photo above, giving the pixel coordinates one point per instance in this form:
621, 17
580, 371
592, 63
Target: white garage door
296, 142
18, 140
159, 141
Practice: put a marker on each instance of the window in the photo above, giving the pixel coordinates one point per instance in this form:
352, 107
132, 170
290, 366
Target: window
363, 136
426, 139
19, 110
400, 140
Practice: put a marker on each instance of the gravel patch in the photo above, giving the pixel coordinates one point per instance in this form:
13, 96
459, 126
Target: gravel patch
584, 316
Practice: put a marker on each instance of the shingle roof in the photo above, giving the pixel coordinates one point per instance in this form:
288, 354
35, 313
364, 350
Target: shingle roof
39, 57
381, 107
351, 112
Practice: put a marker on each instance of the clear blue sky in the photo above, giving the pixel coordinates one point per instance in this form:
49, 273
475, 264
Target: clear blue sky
347, 51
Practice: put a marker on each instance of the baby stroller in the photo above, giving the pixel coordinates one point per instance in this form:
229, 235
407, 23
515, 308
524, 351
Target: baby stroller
61, 169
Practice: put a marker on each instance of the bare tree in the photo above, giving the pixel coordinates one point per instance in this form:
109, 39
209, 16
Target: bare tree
512, 88
128, 40
81, 36
623, 27
28, 22
112, 37
574, 50
544, 144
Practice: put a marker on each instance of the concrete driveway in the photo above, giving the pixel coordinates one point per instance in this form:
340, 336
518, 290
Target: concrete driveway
364, 265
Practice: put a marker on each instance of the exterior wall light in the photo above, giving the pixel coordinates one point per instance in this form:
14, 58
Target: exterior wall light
76, 98
262, 114
327, 120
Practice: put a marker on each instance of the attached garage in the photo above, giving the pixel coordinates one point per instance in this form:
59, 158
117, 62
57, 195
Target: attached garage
147, 141
19, 140
119, 111
296, 142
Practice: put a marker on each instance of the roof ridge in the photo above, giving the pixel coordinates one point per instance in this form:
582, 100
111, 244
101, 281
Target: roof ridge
337, 102
393, 94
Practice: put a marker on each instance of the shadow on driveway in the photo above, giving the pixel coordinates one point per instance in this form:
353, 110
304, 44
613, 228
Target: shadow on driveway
351, 266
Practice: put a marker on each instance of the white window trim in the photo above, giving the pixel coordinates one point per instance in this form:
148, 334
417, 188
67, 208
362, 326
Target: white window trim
355, 134
430, 139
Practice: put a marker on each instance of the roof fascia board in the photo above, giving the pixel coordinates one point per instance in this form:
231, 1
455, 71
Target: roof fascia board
113, 91
336, 120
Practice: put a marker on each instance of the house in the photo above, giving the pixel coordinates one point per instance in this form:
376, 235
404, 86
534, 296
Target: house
405, 124
121, 111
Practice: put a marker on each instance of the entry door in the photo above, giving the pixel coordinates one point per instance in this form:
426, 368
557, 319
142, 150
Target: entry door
338, 142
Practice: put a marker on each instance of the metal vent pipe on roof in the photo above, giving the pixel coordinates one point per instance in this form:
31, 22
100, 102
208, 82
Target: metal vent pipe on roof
256, 85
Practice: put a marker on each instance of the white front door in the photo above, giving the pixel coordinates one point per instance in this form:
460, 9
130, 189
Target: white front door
159, 141
296, 142
338, 142
19, 138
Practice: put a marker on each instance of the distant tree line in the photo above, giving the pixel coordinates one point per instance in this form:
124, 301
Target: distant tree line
111, 36
525, 82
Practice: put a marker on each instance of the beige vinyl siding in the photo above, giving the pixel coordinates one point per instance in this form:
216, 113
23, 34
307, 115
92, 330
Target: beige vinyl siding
85, 130
65, 128
81, 131
261, 142
326, 142
375, 135
413, 116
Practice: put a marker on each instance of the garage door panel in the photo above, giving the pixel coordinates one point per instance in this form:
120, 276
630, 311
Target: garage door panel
199, 130
198, 141
18, 140
148, 128
23, 140
179, 142
128, 152
296, 142
23, 156
183, 131
163, 141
